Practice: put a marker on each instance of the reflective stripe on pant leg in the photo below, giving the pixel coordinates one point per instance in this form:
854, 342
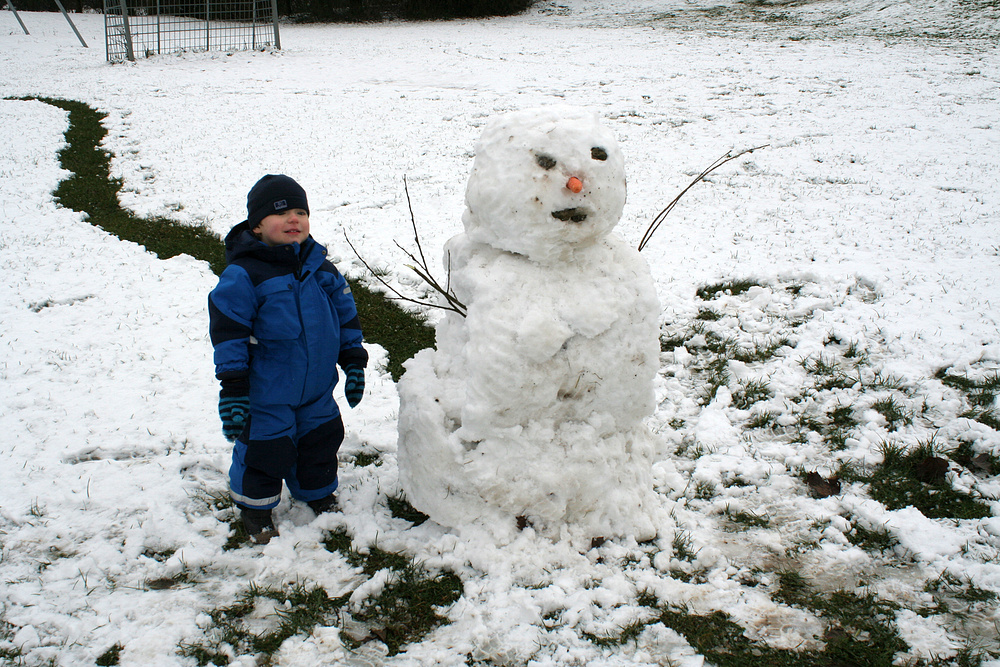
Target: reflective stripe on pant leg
260, 463
249, 488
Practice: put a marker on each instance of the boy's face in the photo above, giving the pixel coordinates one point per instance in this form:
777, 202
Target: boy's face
290, 226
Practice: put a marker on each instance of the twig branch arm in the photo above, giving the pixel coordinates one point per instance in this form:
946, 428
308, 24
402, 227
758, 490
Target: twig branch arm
662, 215
413, 222
421, 268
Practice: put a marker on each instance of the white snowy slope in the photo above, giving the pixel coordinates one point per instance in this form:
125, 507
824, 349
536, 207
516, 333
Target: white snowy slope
868, 224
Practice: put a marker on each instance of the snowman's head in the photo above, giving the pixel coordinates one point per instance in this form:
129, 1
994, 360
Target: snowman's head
545, 182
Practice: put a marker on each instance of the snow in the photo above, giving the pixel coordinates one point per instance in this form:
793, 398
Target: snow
876, 197
553, 362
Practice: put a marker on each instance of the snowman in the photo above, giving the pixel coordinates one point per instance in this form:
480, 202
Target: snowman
530, 410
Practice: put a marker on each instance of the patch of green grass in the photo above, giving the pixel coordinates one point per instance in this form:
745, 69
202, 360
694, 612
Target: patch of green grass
872, 540
372, 561
340, 541
753, 391
794, 590
981, 463
840, 422
708, 315
886, 381
981, 394
960, 588
820, 365
219, 502
727, 347
723, 642
9, 654
896, 483
982, 398
682, 546
806, 423
298, 611
624, 635
864, 633
91, 189
855, 352
828, 374
730, 287
860, 626
378, 559
406, 609
716, 375
402, 612
985, 417
763, 419
671, 343
766, 349
110, 657
363, 459
746, 519
704, 490
893, 411
735, 480
402, 509
724, 346
842, 417
647, 599
238, 536
990, 382
836, 381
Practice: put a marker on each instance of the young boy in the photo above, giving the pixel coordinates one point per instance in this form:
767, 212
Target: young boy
282, 318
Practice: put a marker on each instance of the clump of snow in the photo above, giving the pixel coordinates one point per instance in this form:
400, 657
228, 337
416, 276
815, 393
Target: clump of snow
519, 185
531, 406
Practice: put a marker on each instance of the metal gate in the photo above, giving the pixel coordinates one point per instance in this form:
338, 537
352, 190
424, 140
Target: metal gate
144, 28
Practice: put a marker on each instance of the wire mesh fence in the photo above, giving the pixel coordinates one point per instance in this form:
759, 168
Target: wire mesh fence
143, 28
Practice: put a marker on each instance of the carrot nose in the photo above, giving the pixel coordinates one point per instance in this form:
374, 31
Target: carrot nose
574, 184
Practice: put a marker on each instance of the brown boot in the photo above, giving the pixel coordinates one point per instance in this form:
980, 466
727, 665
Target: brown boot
328, 504
258, 524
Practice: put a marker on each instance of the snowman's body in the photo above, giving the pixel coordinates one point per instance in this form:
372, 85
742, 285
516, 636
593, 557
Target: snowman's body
532, 405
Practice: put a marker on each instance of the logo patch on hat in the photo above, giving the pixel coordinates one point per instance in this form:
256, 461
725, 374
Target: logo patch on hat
280, 205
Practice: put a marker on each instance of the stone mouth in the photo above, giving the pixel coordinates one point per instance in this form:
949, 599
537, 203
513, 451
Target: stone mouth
570, 214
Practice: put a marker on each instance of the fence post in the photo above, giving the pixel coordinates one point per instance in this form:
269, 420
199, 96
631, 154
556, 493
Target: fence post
14, 9
274, 14
71, 24
129, 53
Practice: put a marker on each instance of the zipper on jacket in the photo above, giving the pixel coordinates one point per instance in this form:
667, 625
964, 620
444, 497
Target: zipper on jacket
301, 263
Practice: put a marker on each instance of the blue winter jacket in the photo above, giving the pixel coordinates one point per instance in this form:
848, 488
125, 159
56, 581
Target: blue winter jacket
282, 317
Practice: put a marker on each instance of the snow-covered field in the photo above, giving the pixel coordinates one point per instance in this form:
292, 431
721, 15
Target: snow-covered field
869, 225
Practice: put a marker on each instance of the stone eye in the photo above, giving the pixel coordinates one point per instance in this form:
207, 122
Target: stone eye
598, 153
545, 162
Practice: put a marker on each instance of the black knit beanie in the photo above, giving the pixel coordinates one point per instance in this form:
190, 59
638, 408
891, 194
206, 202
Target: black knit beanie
274, 193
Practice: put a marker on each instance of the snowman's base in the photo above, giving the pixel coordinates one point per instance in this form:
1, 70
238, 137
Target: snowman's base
555, 479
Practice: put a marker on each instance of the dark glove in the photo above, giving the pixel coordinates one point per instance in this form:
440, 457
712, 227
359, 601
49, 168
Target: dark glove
234, 407
354, 384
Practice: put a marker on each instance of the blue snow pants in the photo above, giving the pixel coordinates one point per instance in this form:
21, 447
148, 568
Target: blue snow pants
294, 444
